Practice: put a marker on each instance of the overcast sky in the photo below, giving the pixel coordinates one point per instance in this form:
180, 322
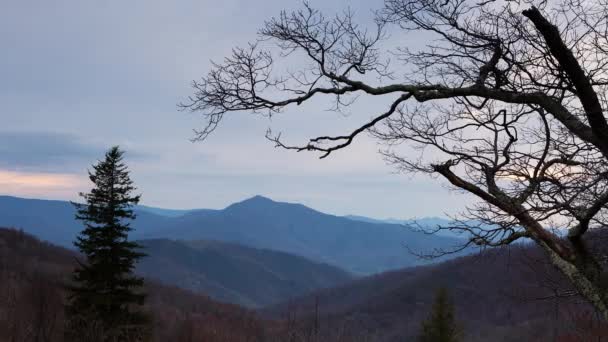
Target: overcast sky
77, 77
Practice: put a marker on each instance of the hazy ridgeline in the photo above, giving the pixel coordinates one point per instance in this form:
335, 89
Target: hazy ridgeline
356, 246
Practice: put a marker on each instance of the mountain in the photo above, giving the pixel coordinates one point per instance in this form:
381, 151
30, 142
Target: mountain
54, 221
356, 246
217, 269
506, 294
236, 274
33, 275
359, 247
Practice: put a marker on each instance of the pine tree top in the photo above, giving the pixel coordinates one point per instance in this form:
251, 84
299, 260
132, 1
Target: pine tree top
441, 324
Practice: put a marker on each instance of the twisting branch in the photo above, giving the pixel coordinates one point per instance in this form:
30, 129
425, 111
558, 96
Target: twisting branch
567, 60
341, 141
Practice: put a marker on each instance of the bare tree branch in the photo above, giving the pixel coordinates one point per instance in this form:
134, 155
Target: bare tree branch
507, 101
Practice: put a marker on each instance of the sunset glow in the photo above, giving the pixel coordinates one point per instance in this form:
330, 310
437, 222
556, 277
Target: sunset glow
39, 184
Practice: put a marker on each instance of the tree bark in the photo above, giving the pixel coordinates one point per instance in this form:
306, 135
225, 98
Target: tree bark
591, 289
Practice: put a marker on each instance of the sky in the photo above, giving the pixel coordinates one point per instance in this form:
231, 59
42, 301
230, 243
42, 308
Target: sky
77, 77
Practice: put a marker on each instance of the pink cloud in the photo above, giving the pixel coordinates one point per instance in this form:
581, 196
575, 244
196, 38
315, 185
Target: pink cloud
41, 185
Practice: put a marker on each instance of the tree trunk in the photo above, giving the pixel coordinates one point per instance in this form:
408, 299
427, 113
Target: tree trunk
585, 278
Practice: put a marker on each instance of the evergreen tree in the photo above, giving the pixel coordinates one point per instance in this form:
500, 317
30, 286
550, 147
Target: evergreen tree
105, 295
440, 326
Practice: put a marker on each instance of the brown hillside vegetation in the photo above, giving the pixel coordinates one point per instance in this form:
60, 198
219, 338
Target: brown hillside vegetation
32, 275
31, 300
506, 294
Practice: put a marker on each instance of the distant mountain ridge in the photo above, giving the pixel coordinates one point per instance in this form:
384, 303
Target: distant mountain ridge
163, 212
53, 220
356, 246
429, 223
425, 221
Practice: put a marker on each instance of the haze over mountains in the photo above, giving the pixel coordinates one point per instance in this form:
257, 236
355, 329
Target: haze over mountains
427, 223
162, 211
356, 246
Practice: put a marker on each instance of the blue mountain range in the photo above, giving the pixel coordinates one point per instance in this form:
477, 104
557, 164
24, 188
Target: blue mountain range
358, 246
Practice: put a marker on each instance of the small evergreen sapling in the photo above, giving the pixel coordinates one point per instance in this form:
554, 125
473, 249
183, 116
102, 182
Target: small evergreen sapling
441, 325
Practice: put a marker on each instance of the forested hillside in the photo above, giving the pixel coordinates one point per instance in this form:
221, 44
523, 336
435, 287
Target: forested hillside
233, 273
509, 294
506, 295
32, 276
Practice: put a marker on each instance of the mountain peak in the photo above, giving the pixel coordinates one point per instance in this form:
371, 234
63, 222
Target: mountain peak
258, 198
256, 201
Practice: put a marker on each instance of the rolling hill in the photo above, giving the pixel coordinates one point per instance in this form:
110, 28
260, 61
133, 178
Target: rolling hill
504, 295
509, 294
236, 274
32, 279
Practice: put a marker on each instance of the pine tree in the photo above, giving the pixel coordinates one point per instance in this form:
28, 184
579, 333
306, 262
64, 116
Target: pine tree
105, 295
440, 326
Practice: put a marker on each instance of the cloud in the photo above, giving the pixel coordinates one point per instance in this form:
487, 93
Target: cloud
49, 152
79, 77
36, 180
43, 185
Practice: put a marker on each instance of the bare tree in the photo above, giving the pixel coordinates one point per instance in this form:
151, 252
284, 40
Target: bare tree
46, 304
508, 102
